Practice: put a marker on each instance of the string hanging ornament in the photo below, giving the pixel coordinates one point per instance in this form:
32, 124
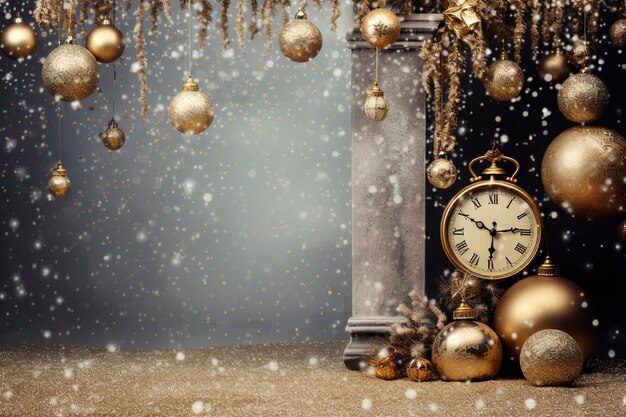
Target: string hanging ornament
504, 79
376, 106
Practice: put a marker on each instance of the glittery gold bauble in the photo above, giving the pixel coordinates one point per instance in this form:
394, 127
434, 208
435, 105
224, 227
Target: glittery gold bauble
583, 171
299, 39
583, 98
441, 173
191, 111
376, 105
551, 358
420, 370
580, 54
380, 28
59, 183
113, 137
544, 301
386, 367
554, 67
504, 80
621, 230
105, 42
70, 72
18, 39
618, 32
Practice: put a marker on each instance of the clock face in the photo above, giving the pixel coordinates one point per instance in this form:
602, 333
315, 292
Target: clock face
491, 231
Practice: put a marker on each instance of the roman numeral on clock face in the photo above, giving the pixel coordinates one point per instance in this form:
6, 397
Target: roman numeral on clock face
521, 216
476, 203
509, 205
459, 232
475, 259
490, 264
524, 232
520, 248
493, 198
462, 247
508, 261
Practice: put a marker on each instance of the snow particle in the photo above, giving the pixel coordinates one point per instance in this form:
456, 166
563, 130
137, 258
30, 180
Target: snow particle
366, 404
529, 403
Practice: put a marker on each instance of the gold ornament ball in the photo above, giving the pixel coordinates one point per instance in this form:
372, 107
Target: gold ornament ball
580, 54
441, 173
420, 370
70, 72
621, 230
386, 367
113, 137
59, 183
191, 111
380, 28
583, 171
554, 67
376, 106
299, 39
467, 350
504, 80
583, 98
551, 358
618, 32
19, 40
105, 42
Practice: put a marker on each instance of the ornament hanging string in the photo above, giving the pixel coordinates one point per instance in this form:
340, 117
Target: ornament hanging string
189, 38
376, 76
114, 66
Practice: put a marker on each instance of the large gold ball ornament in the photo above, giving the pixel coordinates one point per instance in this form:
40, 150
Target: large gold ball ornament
583, 171
105, 42
59, 183
70, 72
19, 40
504, 80
380, 28
621, 230
386, 367
299, 39
580, 54
583, 98
376, 106
441, 173
554, 67
551, 358
191, 111
618, 32
420, 370
113, 137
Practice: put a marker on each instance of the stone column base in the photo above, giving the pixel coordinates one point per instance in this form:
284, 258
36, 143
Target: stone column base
364, 331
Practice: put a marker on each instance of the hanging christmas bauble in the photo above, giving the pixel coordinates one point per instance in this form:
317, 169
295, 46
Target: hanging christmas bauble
387, 367
554, 67
583, 171
376, 105
583, 98
380, 28
621, 230
59, 183
551, 358
580, 54
441, 173
105, 42
19, 40
420, 370
618, 32
70, 72
191, 111
299, 39
504, 80
113, 137
544, 301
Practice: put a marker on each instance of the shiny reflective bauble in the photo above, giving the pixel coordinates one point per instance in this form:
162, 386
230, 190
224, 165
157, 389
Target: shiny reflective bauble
618, 32
105, 42
380, 28
583, 171
551, 358
59, 183
554, 67
441, 173
70, 72
420, 370
580, 54
386, 367
191, 111
19, 40
583, 98
621, 230
467, 350
504, 80
113, 137
299, 39
376, 106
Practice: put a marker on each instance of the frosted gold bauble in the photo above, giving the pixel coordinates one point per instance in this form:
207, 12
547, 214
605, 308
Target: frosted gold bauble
551, 358
376, 105
504, 80
618, 32
386, 367
70, 72
105, 42
59, 183
380, 28
113, 137
441, 173
621, 230
19, 40
583, 98
583, 171
299, 39
420, 370
554, 67
580, 54
467, 350
191, 111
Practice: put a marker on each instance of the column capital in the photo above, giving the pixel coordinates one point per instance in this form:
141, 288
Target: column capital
415, 28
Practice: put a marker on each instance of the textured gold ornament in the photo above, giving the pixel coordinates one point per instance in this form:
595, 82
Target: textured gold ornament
504, 80
618, 32
70, 72
441, 173
380, 28
461, 16
554, 67
376, 105
544, 301
580, 54
19, 40
299, 39
59, 183
621, 230
105, 42
386, 367
420, 370
191, 111
583, 171
113, 137
583, 98
551, 358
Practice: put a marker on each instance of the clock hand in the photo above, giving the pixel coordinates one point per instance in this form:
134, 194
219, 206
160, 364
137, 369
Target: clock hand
478, 223
512, 230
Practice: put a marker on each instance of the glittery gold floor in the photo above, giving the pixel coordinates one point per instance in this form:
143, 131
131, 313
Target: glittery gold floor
299, 379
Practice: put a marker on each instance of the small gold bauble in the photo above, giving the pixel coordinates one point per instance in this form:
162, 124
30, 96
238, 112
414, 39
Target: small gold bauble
621, 230
386, 367
376, 105
105, 42
19, 40
618, 32
580, 54
59, 183
441, 173
551, 358
583, 171
113, 137
191, 111
380, 28
70, 72
583, 98
554, 67
299, 39
504, 80
420, 370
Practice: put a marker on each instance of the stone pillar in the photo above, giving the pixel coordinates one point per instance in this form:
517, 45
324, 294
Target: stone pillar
388, 185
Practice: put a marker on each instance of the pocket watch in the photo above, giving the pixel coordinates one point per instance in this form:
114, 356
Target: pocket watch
492, 227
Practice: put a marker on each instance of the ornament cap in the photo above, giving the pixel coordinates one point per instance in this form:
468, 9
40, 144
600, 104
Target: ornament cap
191, 85
18, 18
69, 40
105, 22
503, 54
60, 170
113, 123
301, 14
464, 311
548, 269
375, 91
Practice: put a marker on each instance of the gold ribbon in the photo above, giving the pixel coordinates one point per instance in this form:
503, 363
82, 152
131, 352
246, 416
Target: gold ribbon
461, 16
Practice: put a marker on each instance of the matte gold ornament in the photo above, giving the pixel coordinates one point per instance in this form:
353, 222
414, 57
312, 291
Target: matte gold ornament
554, 67
504, 80
580, 54
551, 358
59, 183
376, 106
19, 40
461, 16
618, 32
70, 72
380, 28
299, 39
105, 42
583, 171
386, 367
420, 370
583, 98
621, 230
544, 301
441, 173
191, 111
113, 137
